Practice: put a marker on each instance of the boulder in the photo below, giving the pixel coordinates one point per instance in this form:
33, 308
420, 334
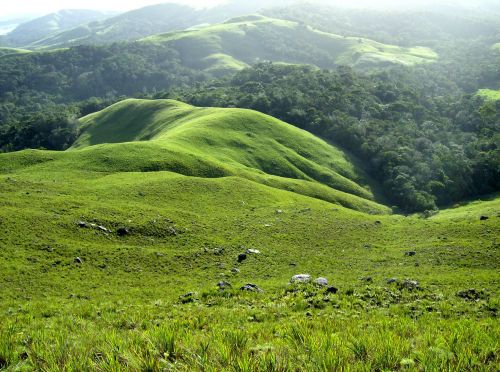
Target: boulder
301, 278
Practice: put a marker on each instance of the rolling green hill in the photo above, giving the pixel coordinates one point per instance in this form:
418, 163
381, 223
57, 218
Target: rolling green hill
149, 20
165, 135
245, 40
107, 264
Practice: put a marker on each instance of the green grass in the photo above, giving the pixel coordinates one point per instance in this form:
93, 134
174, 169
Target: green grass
241, 41
213, 142
489, 94
120, 308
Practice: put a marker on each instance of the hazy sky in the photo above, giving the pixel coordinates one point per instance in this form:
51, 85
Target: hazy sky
18, 7
10, 8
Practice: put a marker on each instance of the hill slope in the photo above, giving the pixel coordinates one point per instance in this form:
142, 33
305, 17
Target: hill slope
40, 28
78, 297
246, 40
211, 142
151, 20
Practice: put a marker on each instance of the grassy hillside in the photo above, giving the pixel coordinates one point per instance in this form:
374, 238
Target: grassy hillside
209, 142
84, 298
489, 94
10, 51
246, 40
150, 20
30, 32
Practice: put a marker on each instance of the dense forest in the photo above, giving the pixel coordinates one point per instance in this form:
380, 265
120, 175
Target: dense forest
421, 131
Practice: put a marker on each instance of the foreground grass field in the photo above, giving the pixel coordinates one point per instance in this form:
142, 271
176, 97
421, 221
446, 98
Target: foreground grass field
105, 266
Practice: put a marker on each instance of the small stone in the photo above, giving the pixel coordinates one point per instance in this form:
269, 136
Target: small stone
78, 260
301, 278
470, 294
392, 280
484, 218
187, 297
224, 285
242, 257
410, 253
279, 211
82, 224
409, 284
103, 229
378, 222
321, 282
367, 279
252, 251
331, 290
234, 270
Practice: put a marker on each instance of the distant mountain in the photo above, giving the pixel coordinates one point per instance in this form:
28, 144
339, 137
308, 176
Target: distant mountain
400, 27
150, 20
40, 28
243, 41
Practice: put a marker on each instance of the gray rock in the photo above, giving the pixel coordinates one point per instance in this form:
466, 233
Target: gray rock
234, 270
78, 260
321, 282
251, 288
410, 253
392, 280
301, 278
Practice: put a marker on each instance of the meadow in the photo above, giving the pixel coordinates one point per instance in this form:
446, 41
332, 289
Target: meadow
113, 256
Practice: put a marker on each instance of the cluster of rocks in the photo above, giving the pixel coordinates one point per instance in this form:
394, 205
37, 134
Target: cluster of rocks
320, 282
122, 231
